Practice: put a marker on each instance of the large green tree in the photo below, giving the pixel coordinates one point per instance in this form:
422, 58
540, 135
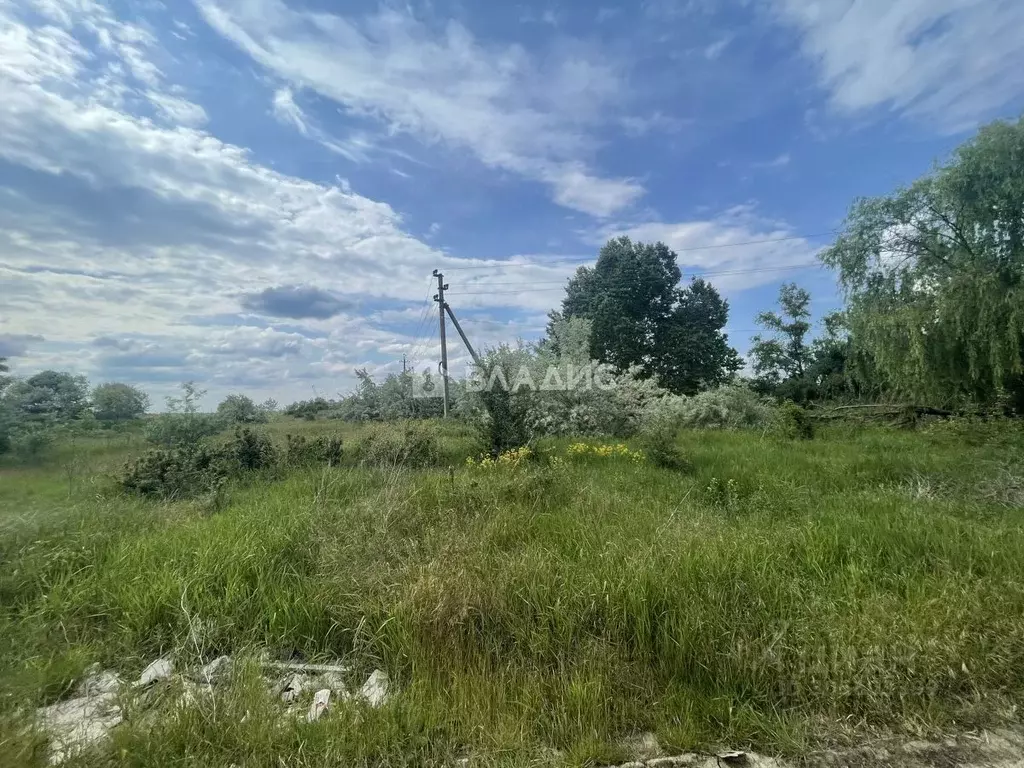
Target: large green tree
640, 316
934, 275
49, 395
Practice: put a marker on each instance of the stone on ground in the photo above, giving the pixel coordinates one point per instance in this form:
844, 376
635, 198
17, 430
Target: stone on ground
161, 669
375, 689
321, 703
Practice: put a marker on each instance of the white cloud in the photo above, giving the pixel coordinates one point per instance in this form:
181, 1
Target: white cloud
177, 110
952, 63
781, 161
715, 50
513, 112
743, 248
288, 112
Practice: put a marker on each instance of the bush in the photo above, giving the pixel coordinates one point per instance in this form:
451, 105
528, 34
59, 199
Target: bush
181, 430
250, 450
661, 449
388, 445
175, 474
239, 409
302, 452
729, 407
794, 422
30, 443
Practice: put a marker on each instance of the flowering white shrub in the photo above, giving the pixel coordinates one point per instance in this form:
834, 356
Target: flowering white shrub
733, 406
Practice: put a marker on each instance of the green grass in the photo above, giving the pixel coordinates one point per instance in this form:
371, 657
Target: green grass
778, 595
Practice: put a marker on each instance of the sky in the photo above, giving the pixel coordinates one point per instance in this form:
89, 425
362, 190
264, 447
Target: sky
253, 194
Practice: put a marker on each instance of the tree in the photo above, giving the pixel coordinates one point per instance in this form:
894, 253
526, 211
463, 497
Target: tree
934, 276
49, 396
183, 426
4, 380
240, 409
639, 316
693, 352
785, 357
114, 401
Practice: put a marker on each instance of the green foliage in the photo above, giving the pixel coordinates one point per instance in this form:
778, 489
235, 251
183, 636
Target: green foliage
49, 396
641, 317
183, 426
118, 402
794, 422
408, 444
786, 357
250, 450
175, 474
308, 409
934, 276
32, 442
301, 451
659, 443
240, 409
393, 399
730, 407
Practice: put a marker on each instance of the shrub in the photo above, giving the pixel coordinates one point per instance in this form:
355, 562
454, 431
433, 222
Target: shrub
180, 430
30, 443
729, 407
239, 409
183, 426
175, 474
250, 450
794, 422
407, 444
301, 452
661, 449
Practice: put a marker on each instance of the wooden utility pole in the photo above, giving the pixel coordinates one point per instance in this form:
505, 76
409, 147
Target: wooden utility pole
439, 298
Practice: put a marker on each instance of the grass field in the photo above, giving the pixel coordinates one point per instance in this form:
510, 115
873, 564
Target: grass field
777, 595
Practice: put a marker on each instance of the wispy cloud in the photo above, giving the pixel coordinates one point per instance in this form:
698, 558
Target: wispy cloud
528, 115
951, 63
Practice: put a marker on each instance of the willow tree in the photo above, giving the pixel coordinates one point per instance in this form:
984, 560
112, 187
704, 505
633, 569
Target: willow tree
934, 275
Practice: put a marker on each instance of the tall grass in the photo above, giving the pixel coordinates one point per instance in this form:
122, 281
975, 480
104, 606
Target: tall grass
776, 594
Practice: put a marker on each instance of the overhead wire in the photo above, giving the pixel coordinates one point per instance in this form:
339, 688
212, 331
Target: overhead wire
530, 286
581, 261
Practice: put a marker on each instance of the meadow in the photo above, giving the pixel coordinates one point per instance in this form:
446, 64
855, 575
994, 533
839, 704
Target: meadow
774, 594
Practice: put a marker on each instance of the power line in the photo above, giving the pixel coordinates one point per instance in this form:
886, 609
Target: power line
716, 246
561, 284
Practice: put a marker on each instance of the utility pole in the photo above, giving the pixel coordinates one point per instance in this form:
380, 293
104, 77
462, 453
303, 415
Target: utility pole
403, 363
455, 322
439, 298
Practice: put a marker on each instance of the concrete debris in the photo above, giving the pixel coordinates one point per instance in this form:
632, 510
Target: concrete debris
375, 689
733, 758
321, 703
335, 681
217, 671
98, 681
161, 669
307, 669
78, 723
292, 688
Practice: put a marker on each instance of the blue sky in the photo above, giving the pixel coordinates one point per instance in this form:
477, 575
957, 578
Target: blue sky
253, 193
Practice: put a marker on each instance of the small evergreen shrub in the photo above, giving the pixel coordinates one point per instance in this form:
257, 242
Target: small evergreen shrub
794, 422
303, 452
175, 474
250, 450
